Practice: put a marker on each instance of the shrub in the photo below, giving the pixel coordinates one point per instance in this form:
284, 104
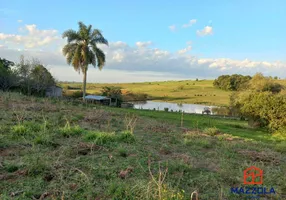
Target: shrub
212, 131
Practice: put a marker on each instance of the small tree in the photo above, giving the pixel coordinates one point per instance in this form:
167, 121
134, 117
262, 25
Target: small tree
34, 78
41, 79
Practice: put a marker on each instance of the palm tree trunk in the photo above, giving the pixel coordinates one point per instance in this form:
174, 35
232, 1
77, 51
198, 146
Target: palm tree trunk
84, 83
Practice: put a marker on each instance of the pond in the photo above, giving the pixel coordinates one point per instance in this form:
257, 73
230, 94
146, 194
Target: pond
175, 107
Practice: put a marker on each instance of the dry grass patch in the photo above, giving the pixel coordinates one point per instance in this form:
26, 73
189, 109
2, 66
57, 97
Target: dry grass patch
265, 157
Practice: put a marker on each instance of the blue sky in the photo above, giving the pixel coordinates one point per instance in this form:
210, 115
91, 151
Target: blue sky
240, 29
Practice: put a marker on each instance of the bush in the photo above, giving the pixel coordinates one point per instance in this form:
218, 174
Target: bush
212, 131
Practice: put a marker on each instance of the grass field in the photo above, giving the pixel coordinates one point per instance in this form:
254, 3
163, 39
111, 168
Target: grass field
53, 149
187, 91
197, 92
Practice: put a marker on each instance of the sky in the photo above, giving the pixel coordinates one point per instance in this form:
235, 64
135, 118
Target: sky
152, 40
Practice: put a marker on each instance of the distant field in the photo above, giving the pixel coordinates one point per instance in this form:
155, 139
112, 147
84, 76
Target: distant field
197, 92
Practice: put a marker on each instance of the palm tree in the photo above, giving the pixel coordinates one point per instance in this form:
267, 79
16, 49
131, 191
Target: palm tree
81, 49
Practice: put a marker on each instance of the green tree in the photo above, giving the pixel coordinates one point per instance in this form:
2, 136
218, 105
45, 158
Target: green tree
234, 82
81, 49
41, 79
267, 108
260, 83
5, 64
8, 77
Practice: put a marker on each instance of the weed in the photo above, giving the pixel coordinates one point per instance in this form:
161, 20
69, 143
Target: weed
100, 138
43, 139
212, 131
19, 130
130, 122
126, 136
69, 130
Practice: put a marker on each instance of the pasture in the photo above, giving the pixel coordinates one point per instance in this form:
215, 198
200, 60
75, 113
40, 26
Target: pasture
55, 149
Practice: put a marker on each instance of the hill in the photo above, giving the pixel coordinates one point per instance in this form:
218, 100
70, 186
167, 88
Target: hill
188, 91
58, 149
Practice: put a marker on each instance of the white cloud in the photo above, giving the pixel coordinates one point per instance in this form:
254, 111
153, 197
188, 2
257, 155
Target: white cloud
190, 23
172, 27
208, 30
185, 50
143, 44
31, 38
129, 63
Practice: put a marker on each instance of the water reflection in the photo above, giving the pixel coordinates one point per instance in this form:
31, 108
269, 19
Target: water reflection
171, 107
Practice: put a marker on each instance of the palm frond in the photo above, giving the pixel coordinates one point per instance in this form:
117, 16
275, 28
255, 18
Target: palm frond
68, 51
100, 56
92, 58
71, 36
81, 49
83, 31
77, 60
98, 38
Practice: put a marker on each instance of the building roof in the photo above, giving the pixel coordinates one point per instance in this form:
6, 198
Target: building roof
95, 97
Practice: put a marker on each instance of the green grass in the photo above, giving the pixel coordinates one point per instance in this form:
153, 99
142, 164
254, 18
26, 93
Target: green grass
198, 92
68, 151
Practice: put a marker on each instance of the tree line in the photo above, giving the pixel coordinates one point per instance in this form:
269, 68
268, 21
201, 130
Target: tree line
261, 99
237, 82
28, 76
